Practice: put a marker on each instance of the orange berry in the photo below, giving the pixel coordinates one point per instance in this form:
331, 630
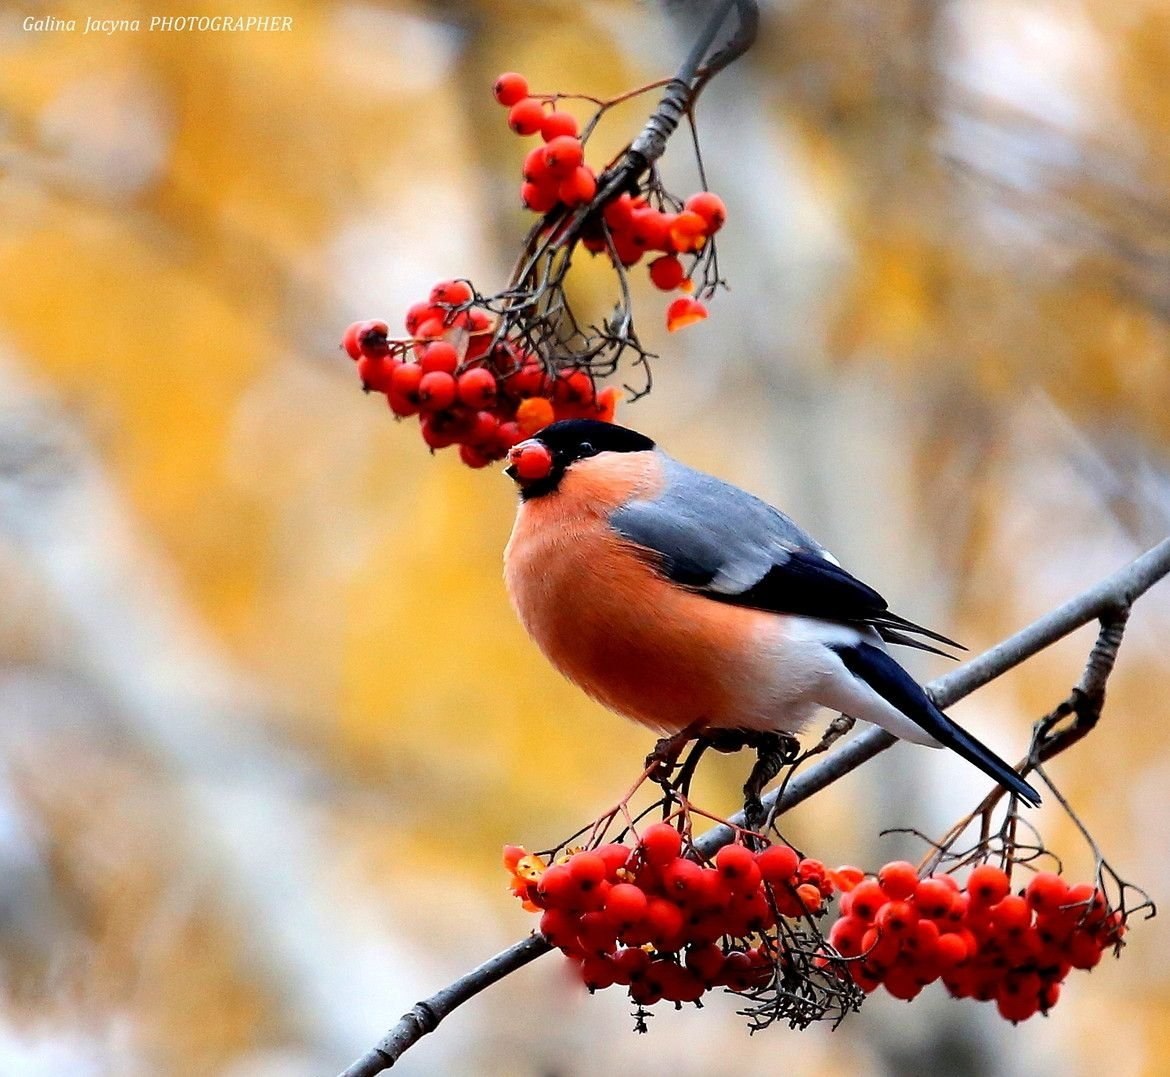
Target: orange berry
607, 401
710, 207
688, 231
563, 154
510, 88
810, 897
534, 414
867, 899
684, 311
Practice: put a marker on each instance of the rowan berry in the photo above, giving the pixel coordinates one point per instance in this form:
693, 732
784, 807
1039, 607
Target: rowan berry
846, 935
510, 88
526, 116
368, 339
376, 374
898, 879
557, 124
867, 899
660, 844
933, 898
684, 311
667, 272
987, 885
710, 208
598, 972
562, 155
534, 414
687, 231
778, 864
578, 187
810, 897
529, 460
615, 857
477, 388
560, 929
452, 292
738, 868
705, 960
557, 887
438, 356
625, 905
1011, 916
896, 917
1046, 892
437, 390
538, 198
473, 456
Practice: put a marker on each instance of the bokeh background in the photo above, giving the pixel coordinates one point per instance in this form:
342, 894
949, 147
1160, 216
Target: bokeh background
265, 716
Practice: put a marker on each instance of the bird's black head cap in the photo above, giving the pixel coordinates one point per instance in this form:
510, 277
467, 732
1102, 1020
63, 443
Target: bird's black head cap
571, 440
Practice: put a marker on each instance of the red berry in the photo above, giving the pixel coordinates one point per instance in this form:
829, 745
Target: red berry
367, 338
867, 899
405, 380
510, 88
1046, 893
1012, 915
896, 917
898, 879
509, 436
439, 356
556, 887
349, 340
933, 898
451, 292
615, 857
376, 374
710, 208
477, 388
588, 870
473, 456
846, 935
778, 864
578, 187
665, 922
667, 272
987, 885
625, 904
535, 169
705, 961
437, 390
556, 124
738, 867
526, 116
559, 928
598, 972
539, 199
661, 844
530, 460
563, 154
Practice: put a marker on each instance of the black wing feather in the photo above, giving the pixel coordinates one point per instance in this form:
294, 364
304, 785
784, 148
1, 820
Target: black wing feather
732, 547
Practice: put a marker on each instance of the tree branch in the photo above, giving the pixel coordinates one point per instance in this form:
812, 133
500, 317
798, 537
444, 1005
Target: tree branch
1109, 601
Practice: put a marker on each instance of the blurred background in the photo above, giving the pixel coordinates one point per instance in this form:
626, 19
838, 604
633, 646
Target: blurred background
265, 716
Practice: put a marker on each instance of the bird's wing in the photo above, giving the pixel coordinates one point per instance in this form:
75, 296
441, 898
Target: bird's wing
722, 542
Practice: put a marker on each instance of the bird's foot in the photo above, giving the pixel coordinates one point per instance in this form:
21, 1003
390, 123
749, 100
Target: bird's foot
774, 751
660, 763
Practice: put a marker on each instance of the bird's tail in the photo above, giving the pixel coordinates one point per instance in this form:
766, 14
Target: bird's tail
878, 670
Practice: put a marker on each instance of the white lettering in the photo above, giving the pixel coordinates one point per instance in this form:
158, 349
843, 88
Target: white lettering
49, 22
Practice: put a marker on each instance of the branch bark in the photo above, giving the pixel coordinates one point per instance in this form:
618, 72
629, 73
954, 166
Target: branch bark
1109, 602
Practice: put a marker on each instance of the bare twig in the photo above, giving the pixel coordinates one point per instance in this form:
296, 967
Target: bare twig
1108, 601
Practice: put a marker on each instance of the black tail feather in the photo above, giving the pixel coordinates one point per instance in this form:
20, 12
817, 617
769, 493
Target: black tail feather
893, 683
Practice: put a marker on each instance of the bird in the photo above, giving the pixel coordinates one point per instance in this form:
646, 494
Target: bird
688, 604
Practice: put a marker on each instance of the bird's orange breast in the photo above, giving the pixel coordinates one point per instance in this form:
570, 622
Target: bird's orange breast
605, 617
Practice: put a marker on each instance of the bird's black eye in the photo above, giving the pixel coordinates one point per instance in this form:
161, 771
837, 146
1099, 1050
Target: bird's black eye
585, 449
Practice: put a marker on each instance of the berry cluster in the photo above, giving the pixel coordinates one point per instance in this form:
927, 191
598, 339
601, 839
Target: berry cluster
467, 387
629, 227
666, 925
982, 941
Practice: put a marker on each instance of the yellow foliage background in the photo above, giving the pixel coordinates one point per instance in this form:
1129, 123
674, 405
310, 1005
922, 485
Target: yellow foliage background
267, 718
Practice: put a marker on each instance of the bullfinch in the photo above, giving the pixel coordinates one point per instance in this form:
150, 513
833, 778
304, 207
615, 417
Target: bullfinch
683, 602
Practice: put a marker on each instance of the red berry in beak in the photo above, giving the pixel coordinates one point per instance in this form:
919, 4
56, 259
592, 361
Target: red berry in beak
529, 461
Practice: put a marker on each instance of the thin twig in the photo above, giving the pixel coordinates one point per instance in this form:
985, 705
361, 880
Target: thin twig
1108, 601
